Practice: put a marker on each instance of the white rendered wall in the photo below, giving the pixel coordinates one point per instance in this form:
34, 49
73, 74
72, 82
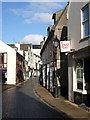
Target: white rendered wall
36, 51
11, 62
26, 55
11, 67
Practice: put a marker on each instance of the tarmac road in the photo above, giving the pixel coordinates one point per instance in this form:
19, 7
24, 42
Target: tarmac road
22, 102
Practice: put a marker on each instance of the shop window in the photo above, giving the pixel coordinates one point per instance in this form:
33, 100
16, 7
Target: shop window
79, 73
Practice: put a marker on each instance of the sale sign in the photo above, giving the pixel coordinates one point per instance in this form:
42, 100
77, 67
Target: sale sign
65, 46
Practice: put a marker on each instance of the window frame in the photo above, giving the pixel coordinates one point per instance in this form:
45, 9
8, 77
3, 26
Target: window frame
83, 22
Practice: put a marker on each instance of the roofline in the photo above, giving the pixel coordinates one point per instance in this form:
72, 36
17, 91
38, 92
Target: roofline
60, 16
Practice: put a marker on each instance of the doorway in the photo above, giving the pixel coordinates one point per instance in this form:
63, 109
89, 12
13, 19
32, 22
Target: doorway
87, 79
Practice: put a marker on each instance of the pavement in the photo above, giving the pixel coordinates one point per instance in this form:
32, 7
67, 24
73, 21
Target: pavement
60, 104
63, 105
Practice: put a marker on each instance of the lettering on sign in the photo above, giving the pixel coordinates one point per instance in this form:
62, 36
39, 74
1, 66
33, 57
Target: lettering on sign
65, 46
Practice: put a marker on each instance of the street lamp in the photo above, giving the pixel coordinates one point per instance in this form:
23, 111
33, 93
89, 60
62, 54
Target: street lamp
56, 43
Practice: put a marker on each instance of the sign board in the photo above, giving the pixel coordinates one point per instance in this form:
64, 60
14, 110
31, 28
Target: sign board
65, 46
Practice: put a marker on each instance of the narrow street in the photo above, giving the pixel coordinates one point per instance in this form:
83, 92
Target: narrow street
49, 39
22, 102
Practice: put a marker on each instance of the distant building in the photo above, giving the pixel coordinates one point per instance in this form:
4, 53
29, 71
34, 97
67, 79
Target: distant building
24, 50
36, 49
10, 62
35, 60
32, 57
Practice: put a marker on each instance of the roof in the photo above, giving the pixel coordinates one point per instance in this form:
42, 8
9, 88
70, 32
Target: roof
49, 28
12, 45
22, 46
59, 16
59, 13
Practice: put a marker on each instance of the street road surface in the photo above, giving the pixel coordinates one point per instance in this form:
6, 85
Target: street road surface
21, 102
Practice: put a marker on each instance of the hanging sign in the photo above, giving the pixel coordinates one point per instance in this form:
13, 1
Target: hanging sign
65, 46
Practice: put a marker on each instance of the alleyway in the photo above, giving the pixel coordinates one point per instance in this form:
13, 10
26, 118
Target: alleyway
21, 102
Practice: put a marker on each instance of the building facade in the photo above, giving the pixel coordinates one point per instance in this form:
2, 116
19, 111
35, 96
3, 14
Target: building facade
60, 33
54, 68
47, 61
79, 57
8, 58
35, 60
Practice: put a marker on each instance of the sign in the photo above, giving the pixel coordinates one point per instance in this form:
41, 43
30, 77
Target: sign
65, 46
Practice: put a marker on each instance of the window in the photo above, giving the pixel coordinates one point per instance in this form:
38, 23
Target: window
3, 60
79, 73
36, 46
85, 21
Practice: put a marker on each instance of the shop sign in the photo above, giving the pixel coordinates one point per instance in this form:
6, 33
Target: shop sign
65, 46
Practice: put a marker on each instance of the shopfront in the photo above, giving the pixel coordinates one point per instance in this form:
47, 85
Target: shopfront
81, 78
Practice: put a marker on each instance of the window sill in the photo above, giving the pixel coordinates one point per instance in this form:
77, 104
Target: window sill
77, 90
81, 91
85, 38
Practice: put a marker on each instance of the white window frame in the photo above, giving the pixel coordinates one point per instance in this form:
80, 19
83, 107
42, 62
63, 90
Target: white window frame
83, 22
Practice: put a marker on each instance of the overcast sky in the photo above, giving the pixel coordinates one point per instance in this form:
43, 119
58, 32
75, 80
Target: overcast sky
27, 21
